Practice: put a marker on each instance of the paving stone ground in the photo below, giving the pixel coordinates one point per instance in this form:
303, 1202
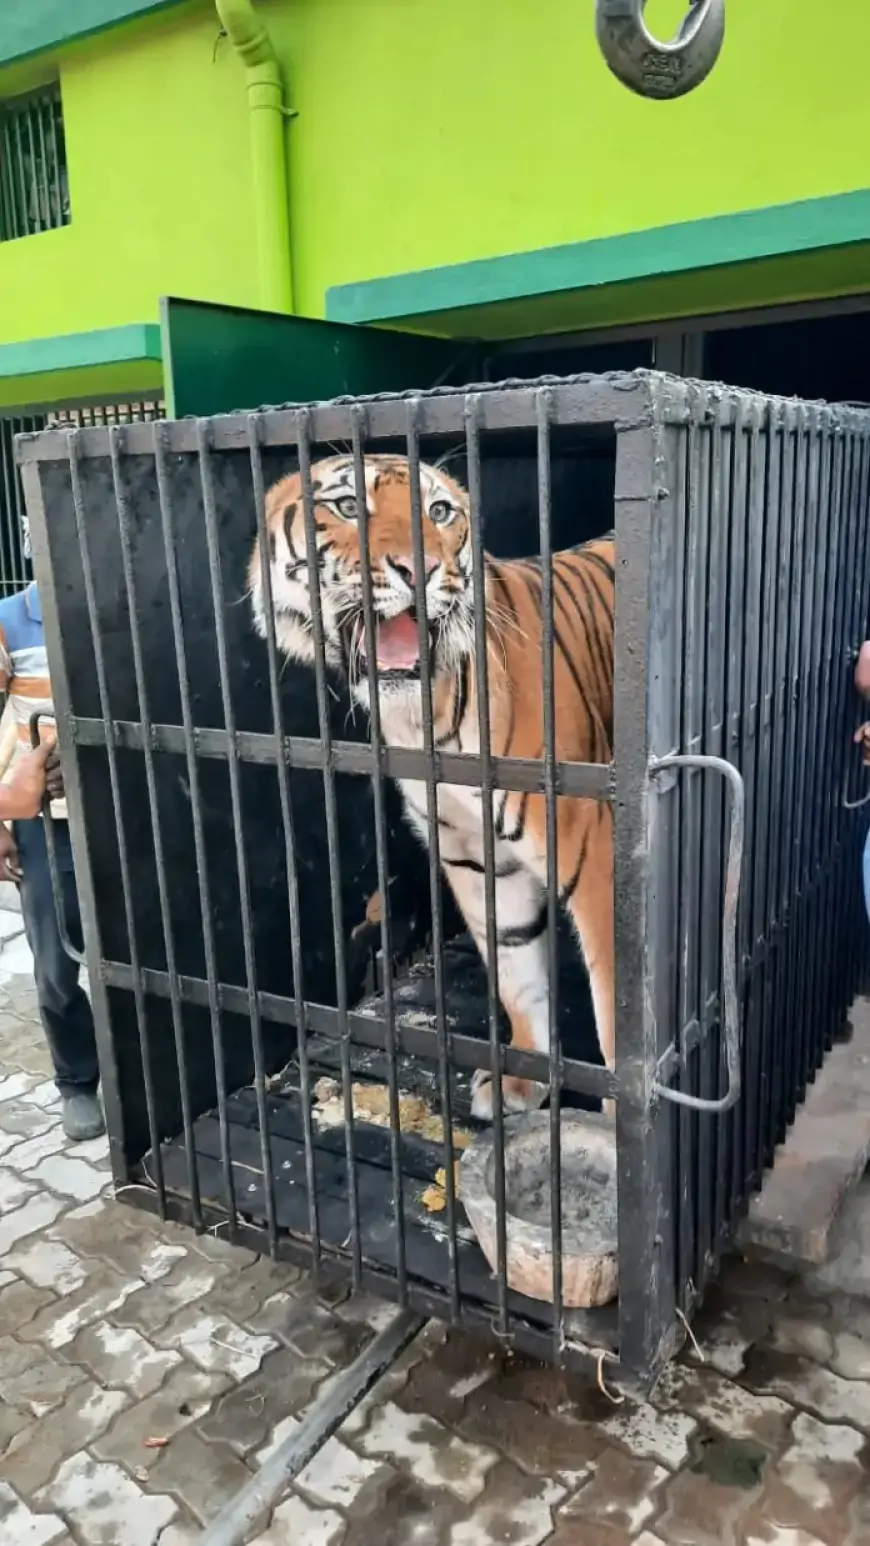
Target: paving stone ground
117, 1331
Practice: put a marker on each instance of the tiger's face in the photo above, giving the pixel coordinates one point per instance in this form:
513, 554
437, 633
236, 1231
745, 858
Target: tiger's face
395, 597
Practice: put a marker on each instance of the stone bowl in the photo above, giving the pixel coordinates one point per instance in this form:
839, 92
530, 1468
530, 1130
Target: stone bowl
589, 1247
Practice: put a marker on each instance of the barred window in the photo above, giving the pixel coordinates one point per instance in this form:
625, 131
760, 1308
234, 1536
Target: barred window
15, 566
34, 187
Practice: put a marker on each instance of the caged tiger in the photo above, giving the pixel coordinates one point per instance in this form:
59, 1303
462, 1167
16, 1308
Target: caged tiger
583, 610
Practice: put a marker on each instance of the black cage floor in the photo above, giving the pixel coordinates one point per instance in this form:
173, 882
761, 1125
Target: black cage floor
426, 1233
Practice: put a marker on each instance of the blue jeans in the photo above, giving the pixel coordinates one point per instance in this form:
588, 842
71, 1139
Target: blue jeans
63, 1004
867, 872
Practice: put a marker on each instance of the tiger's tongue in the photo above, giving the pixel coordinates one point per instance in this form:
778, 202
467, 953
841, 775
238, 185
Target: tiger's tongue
398, 643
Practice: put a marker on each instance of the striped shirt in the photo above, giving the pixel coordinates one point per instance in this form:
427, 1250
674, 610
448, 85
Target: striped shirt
24, 669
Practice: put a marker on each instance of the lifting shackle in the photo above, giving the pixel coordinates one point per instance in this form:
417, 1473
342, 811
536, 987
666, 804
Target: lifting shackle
653, 69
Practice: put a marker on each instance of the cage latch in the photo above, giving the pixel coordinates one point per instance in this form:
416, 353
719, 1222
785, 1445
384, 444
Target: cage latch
649, 67
731, 1017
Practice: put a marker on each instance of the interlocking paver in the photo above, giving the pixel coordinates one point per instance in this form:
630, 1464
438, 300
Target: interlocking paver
70, 1176
20, 1302
185, 1396
337, 1477
36, 1453
214, 1342
31, 1377
806, 1384
13, 1191
41, 1211
512, 1508
623, 1491
202, 1476
296, 1524
20, 1524
651, 1434
122, 1359
103, 1504
434, 1456
283, 1384
146, 1373
58, 1325
724, 1405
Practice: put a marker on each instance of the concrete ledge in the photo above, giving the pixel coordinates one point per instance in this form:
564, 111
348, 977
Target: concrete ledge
10, 900
826, 1152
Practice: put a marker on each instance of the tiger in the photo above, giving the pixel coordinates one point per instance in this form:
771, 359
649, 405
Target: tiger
583, 614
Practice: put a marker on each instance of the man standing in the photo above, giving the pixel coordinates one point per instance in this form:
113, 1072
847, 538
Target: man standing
63, 1004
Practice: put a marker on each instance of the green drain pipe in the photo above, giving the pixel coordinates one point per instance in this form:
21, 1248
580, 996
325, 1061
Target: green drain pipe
267, 115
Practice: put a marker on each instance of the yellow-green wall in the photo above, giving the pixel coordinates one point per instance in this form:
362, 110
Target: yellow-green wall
157, 145
428, 134
432, 133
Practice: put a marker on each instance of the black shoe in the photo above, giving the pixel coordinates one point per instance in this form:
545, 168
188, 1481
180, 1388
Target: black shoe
82, 1117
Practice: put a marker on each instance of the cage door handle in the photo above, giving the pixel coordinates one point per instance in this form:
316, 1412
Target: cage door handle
51, 848
730, 1017
649, 67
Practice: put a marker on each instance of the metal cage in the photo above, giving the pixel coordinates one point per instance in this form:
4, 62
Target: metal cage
243, 821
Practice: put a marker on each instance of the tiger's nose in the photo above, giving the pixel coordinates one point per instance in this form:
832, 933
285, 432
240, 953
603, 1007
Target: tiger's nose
403, 563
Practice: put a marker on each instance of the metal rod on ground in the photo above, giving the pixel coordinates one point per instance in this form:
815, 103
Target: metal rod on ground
258, 1496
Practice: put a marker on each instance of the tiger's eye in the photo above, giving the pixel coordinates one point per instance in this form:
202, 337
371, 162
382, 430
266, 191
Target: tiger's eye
347, 508
441, 512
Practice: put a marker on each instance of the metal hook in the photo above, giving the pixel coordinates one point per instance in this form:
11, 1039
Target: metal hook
653, 69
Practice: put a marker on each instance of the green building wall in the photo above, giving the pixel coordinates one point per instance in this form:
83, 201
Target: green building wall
431, 135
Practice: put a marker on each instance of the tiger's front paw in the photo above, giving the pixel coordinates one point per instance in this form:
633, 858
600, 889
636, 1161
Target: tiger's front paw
517, 1094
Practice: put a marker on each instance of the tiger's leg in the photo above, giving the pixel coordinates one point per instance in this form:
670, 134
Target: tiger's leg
521, 917
586, 880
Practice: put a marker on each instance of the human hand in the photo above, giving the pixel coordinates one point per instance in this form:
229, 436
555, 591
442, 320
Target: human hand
862, 738
10, 864
28, 782
54, 775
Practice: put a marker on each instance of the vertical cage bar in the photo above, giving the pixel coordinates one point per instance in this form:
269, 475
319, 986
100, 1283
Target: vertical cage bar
836, 951
254, 427
303, 441
74, 794
814, 565
412, 446
170, 553
691, 1016
752, 654
358, 439
823, 987
125, 536
775, 558
543, 410
737, 538
204, 451
481, 677
784, 1056
117, 813
711, 1129
645, 479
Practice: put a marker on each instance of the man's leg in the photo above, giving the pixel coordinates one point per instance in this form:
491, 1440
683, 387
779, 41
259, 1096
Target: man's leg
63, 1005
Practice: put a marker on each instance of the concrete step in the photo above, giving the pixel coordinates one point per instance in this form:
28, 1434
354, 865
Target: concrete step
794, 1216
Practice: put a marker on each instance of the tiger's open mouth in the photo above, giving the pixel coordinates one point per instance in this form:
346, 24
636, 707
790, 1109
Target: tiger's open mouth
398, 645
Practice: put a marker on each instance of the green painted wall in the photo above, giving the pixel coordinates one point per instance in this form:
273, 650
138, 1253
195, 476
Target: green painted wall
432, 134
157, 143
428, 134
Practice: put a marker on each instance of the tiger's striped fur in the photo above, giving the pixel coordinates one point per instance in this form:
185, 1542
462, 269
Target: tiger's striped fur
583, 587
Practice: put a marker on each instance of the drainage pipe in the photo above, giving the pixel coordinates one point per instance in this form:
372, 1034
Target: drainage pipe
267, 115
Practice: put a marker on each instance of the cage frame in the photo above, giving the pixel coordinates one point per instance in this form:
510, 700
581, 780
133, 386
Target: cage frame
654, 418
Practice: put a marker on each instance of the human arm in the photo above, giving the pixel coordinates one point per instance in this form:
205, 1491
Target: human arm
23, 795
862, 684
